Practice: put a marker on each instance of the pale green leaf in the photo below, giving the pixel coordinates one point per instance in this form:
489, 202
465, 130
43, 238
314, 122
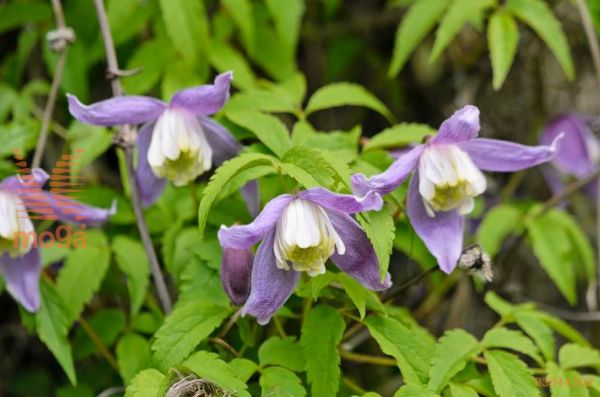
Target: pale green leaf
497, 225
243, 367
457, 15
418, 21
356, 292
379, 226
411, 350
345, 94
563, 328
539, 331
147, 383
83, 273
52, 328
511, 339
460, 390
280, 382
450, 355
268, 129
226, 58
415, 391
288, 17
309, 167
573, 356
285, 352
399, 135
241, 13
503, 37
223, 175
538, 15
184, 328
87, 142
132, 260
152, 66
133, 355
321, 332
127, 18
208, 366
510, 375
187, 27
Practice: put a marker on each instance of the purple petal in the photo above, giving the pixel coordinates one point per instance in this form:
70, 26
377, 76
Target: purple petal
359, 259
574, 156
504, 156
117, 111
462, 126
443, 234
204, 100
25, 184
236, 270
250, 194
68, 210
391, 178
22, 277
245, 236
149, 184
346, 203
271, 286
223, 144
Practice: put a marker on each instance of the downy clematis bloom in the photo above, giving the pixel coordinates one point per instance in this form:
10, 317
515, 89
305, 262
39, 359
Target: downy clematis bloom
578, 155
299, 233
447, 177
20, 261
178, 141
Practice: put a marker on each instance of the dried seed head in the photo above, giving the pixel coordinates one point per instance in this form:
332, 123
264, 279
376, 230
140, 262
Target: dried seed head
475, 260
192, 386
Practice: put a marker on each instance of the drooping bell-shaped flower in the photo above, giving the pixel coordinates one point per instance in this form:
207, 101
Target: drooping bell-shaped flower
578, 155
178, 141
299, 233
20, 261
447, 177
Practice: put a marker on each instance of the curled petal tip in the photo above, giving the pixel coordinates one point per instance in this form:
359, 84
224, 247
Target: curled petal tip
372, 201
360, 184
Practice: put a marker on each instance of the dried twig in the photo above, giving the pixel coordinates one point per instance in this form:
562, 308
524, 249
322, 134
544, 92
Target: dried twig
127, 137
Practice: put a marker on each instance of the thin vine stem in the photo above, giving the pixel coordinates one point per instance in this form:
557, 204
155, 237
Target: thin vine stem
127, 140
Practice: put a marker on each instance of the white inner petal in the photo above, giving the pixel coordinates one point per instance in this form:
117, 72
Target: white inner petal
179, 150
16, 229
305, 238
448, 179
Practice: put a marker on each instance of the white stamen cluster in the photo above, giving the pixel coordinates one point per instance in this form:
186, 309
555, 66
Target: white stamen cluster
179, 150
448, 179
305, 238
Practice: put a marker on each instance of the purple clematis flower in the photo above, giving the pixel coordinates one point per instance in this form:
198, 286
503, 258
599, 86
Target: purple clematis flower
299, 233
20, 261
178, 141
578, 155
447, 176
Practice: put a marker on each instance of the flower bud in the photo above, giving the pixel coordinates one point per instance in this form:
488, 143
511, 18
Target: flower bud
236, 271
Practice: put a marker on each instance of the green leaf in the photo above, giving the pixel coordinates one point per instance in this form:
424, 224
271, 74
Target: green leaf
538, 15
83, 273
357, 293
566, 383
550, 244
511, 339
411, 350
459, 390
224, 174
321, 332
539, 331
132, 260
90, 142
225, 58
241, 13
497, 225
450, 355
208, 366
152, 66
415, 391
187, 27
510, 375
345, 94
503, 38
285, 352
399, 135
288, 17
52, 328
268, 129
379, 226
458, 14
107, 324
184, 328
280, 382
148, 383
243, 367
15, 14
307, 166
133, 355
573, 356
127, 18
563, 328
418, 21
